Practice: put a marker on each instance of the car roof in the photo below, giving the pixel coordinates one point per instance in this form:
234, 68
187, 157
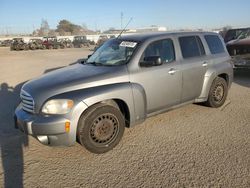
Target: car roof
245, 28
145, 36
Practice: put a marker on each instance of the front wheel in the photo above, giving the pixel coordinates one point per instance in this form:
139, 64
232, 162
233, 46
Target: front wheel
101, 128
218, 93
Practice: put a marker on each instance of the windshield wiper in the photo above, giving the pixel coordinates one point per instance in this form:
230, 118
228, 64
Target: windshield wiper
94, 63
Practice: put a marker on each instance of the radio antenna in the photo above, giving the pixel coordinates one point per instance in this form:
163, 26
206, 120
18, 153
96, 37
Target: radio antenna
124, 28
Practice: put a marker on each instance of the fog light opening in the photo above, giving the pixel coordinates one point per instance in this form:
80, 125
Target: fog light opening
43, 139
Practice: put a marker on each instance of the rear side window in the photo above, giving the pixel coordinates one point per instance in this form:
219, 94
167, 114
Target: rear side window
162, 48
214, 43
191, 46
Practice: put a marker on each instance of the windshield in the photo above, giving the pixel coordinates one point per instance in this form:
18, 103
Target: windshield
113, 52
244, 34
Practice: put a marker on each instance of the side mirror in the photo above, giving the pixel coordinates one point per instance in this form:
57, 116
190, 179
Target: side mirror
151, 61
89, 55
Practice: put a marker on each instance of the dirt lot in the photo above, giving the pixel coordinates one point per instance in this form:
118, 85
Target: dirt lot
193, 146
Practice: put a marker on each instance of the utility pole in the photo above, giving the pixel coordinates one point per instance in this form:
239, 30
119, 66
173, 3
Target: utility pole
121, 20
7, 32
95, 26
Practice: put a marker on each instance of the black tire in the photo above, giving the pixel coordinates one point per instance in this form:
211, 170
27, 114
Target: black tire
218, 93
100, 128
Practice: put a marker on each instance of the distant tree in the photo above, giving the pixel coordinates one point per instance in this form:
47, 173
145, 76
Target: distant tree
52, 33
65, 26
44, 29
76, 31
224, 30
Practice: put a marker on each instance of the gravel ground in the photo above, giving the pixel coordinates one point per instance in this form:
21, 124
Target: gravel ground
193, 146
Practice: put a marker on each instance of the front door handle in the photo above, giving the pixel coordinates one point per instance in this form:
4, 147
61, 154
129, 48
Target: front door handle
172, 71
204, 64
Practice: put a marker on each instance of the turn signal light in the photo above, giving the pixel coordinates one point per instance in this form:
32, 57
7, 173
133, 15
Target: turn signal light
67, 126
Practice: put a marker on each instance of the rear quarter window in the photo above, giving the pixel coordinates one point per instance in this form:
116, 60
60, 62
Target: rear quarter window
215, 44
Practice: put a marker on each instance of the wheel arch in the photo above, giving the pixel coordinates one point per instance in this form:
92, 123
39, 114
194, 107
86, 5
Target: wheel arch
225, 76
118, 103
208, 80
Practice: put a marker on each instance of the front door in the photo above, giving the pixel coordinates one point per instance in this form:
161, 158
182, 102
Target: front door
162, 84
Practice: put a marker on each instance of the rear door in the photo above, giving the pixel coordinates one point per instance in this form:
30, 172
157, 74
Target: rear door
194, 66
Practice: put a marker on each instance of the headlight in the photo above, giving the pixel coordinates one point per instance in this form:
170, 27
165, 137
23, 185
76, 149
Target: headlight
58, 106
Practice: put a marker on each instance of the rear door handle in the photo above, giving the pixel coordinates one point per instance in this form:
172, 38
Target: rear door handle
204, 64
172, 71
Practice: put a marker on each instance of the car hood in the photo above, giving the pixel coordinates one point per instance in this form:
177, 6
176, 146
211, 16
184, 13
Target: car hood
72, 78
237, 42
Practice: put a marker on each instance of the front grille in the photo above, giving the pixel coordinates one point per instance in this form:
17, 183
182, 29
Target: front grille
27, 102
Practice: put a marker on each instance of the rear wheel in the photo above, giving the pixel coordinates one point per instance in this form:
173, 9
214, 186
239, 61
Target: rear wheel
218, 93
101, 128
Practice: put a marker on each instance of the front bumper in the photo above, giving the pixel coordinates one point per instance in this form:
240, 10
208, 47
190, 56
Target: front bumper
49, 130
242, 61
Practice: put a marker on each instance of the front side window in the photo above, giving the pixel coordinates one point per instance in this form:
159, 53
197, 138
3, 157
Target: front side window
214, 43
113, 52
191, 46
162, 48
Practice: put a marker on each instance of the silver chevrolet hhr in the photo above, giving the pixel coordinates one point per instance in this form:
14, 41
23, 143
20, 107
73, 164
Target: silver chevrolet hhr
123, 82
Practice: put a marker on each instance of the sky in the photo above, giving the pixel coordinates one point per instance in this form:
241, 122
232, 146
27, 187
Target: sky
23, 16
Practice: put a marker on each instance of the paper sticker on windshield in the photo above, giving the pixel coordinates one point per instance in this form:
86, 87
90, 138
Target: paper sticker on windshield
128, 44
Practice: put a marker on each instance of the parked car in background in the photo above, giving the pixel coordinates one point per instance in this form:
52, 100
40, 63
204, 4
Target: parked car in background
80, 42
232, 34
52, 43
5, 43
101, 40
125, 81
35, 44
239, 49
18, 44
65, 43
91, 42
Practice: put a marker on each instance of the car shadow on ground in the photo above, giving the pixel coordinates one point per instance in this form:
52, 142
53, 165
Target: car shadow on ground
242, 77
12, 141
